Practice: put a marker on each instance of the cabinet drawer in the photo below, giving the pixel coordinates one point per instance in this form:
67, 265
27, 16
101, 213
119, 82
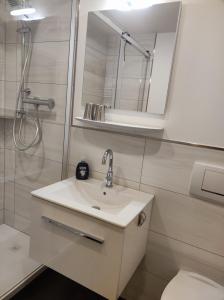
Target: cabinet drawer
76, 245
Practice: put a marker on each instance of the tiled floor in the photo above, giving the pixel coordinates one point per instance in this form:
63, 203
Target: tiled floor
15, 263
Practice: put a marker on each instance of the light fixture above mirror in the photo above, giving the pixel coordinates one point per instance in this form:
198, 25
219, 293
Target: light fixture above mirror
126, 5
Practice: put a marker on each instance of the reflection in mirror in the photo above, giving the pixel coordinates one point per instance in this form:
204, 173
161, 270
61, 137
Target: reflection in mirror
129, 57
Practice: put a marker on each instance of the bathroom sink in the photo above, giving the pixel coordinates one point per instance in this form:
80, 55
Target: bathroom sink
117, 205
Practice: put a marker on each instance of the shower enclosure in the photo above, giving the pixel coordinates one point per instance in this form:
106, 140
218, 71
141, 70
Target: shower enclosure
125, 60
132, 65
34, 54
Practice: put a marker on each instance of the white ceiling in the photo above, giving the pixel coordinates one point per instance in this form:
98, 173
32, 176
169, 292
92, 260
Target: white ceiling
98, 27
157, 18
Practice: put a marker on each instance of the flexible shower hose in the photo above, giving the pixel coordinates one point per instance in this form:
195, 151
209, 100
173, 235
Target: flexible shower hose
21, 116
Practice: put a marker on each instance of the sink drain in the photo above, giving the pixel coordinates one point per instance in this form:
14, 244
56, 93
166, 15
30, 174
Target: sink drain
96, 207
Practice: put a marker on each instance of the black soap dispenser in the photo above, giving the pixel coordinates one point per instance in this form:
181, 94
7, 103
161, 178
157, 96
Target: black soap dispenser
82, 170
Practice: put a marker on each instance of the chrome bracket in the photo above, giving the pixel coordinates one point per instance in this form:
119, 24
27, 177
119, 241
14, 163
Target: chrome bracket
141, 218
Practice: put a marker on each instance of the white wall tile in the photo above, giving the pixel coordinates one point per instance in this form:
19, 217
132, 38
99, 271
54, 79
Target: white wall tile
51, 145
134, 67
129, 104
22, 224
113, 45
169, 166
101, 176
36, 172
8, 134
11, 62
2, 157
1, 216
144, 286
2, 61
1, 183
11, 34
166, 256
9, 218
55, 25
2, 141
2, 93
10, 95
96, 40
49, 62
9, 197
111, 66
2, 28
90, 146
18, 61
9, 165
91, 98
1, 195
94, 85
95, 62
130, 88
187, 219
23, 200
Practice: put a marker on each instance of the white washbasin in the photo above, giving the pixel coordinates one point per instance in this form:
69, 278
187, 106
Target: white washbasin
117, 205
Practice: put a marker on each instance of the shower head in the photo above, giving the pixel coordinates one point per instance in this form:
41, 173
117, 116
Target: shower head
21, 8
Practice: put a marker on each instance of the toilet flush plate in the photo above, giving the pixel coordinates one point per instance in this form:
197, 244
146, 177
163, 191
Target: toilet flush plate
207, 182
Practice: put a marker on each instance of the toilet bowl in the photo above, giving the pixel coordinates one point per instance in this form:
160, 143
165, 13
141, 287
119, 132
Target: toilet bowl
191, 286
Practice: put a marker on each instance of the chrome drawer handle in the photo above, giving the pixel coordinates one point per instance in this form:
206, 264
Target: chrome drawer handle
74, 231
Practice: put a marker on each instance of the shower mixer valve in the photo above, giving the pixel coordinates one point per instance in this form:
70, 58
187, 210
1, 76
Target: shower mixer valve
37, 101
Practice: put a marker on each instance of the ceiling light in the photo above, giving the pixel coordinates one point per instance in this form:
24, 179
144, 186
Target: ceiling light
134, 4
23, 11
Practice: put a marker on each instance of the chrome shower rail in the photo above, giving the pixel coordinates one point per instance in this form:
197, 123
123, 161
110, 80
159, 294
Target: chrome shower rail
123, 34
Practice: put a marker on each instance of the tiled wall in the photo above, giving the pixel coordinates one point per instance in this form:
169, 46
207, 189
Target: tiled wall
1, 171
2, 73
95, 68
112, 61
104, 81
132, 88
185, 232
39, 166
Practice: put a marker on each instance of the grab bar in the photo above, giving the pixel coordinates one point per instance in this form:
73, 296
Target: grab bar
74, 231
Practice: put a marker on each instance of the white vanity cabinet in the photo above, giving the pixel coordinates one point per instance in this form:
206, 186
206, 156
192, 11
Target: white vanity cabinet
92, 252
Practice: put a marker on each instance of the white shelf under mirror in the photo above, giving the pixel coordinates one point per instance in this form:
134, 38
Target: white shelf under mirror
118, 126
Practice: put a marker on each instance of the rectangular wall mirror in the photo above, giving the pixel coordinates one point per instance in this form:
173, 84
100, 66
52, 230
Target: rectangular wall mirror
129, 57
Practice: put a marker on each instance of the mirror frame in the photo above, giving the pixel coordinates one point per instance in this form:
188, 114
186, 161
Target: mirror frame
132, 118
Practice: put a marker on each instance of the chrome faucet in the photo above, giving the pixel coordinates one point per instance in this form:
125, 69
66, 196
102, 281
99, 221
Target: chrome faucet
109, 177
